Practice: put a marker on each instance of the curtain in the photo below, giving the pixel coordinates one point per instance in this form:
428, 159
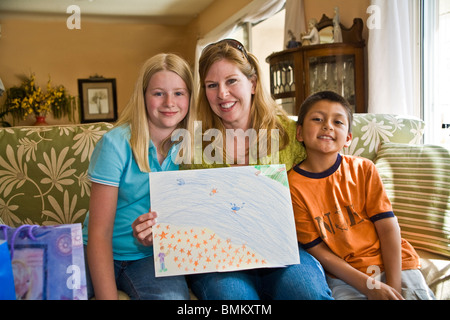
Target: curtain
294, 19
254, 12
390, 58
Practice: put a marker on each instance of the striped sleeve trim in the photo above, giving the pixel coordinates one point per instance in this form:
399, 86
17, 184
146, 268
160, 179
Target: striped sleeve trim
311, 244
105, 182
382, 215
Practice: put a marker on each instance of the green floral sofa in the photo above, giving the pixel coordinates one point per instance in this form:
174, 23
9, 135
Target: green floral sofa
43, 180
43, 173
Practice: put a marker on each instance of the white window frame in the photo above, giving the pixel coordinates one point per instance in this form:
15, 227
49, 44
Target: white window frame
431, 100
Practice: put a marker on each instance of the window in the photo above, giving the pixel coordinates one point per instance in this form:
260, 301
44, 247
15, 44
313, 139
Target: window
262, 39
435, 70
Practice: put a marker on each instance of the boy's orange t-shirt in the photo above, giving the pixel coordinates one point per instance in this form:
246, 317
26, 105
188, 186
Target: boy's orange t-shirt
339, 207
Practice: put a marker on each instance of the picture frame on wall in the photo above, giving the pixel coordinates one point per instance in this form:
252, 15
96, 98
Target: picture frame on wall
98, 99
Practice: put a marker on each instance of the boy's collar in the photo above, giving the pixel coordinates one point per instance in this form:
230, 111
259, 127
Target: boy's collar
319, 175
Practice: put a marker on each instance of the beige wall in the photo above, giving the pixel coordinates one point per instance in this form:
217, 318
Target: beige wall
114, 48
108, 48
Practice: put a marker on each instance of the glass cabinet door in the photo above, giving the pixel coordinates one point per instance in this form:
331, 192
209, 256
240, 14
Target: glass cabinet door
335, 73
282, 77
297, 73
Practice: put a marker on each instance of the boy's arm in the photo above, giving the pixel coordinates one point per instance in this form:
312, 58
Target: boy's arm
344, 271
390, 243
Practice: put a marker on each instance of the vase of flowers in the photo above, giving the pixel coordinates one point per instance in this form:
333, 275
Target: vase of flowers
29, 99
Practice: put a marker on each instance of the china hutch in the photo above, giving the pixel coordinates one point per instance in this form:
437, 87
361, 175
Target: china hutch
299, 72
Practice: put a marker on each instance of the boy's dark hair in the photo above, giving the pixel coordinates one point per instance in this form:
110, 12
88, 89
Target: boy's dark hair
325, 95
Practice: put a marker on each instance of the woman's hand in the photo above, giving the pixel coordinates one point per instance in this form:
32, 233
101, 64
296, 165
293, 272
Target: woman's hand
142, 228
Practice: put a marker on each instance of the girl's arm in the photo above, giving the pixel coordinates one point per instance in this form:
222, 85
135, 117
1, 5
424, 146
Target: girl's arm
357, 279
102, 211
391, 251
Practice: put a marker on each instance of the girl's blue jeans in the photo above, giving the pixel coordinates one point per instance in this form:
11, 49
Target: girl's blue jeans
304, 281
137, 279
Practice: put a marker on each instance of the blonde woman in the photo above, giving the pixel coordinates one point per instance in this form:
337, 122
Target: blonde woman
232, 100
139, 143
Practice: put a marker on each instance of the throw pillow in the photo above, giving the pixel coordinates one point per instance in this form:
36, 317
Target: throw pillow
417, 181
369, 130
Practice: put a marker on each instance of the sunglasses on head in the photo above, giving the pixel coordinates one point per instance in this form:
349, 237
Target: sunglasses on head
233, 43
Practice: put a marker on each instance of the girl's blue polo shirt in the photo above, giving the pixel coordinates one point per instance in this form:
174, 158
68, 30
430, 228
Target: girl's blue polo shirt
112, 163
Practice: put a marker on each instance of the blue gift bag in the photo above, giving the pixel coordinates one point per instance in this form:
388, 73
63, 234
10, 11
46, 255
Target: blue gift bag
6, 275
47, 261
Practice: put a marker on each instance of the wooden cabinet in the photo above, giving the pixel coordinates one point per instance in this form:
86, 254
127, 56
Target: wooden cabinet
297, 73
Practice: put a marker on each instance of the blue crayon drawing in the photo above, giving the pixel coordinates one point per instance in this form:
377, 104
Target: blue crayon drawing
235, 208
253, 207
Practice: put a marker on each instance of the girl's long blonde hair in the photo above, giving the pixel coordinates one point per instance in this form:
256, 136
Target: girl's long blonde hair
135, 112
264, 112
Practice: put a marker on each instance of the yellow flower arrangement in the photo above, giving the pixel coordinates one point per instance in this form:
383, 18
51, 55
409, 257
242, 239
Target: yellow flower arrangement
30, 99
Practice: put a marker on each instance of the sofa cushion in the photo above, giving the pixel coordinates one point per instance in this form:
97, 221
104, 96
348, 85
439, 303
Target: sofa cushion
436, 271
417, 181
369, 130
43, 173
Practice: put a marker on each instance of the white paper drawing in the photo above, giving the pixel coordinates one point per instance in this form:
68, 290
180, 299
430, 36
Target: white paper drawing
222, 219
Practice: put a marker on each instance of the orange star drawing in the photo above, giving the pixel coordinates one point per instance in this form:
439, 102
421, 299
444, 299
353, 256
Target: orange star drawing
163, 235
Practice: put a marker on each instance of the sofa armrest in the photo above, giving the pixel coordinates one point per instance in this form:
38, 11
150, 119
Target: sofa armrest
436, 271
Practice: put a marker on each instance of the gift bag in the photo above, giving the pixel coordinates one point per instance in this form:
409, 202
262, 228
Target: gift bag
47, 261
6, 275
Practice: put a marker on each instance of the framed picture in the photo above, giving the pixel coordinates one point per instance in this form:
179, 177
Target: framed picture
98, 99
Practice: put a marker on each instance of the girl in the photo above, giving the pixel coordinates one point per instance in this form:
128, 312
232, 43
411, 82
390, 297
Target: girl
139, 143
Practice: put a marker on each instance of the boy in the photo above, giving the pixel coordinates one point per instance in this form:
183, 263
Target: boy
343, 215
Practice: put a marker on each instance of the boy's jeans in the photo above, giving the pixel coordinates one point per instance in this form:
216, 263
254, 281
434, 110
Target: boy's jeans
414, 287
